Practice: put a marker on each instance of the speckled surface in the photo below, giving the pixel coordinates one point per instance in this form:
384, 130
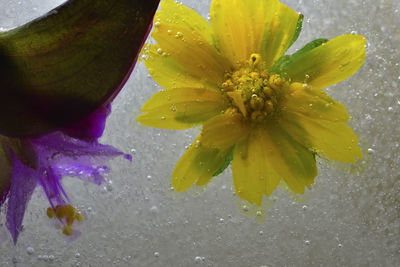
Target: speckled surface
350, 217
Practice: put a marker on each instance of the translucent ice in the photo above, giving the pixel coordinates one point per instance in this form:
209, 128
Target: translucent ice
350, 217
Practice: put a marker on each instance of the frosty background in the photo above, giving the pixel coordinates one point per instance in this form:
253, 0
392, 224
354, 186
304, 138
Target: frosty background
350, 217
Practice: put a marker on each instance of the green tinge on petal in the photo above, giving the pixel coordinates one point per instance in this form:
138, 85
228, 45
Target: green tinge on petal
61, 67
293, 161
198, 164
282, 28
332, 140
181, 108
314, 103
284, 62
224, 131
225, 165
329, 63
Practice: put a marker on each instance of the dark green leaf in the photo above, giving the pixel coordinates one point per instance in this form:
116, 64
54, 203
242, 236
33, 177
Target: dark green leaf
59, 68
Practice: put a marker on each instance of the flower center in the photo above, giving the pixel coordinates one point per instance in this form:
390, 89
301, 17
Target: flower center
253, 92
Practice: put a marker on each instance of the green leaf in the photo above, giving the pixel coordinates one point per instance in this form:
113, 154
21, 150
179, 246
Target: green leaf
283, 62
59, 68
225, 165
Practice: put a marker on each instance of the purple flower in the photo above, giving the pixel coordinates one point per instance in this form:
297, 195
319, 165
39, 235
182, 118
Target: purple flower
45, 160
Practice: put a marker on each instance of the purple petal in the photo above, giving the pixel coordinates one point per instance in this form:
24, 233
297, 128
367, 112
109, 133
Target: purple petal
23, 182
90, 128
51, 184
67, 156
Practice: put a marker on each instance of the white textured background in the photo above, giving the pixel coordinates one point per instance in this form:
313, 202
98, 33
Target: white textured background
350, 217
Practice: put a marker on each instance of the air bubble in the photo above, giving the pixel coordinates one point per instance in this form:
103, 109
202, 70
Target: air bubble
30, 250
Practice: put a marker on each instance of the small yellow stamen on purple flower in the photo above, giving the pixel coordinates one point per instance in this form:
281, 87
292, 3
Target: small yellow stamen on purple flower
67, 214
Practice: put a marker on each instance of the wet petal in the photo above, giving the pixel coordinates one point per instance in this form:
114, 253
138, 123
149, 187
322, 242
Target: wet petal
181, 108
329, 63
199, 163
314, 103
332, 140
167, 72
176, 14
23, 183
253, 174
265, 27
191, 51
294, 162
224, 131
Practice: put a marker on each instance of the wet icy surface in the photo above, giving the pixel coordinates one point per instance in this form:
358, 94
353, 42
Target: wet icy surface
350, 217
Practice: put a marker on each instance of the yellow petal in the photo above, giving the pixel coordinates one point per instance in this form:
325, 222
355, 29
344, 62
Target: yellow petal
330, 63
191, 51
314, 103
224, 131
253, 174
290, 159
199, 163
244, 27
179, 15
332, 140
280, 28
181, 108
166, 71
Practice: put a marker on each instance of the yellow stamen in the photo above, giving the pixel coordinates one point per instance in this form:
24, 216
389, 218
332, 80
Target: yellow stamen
67, 230
254, 60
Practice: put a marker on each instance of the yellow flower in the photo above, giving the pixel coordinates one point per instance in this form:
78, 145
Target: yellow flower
264, 109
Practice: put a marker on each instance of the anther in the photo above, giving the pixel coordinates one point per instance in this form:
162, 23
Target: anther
254, 60
257, 103
67, 230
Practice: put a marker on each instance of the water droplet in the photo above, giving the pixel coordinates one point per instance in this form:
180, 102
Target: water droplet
30, 250
259, 213
144, 57
159, 51
245, 208
148, 177
179, 35
221, 220
340, 245
261, 232
307, 242
197, 259
156, 254
304, 207
390, 109
154, 209
157, 24
163, 118
77, 255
